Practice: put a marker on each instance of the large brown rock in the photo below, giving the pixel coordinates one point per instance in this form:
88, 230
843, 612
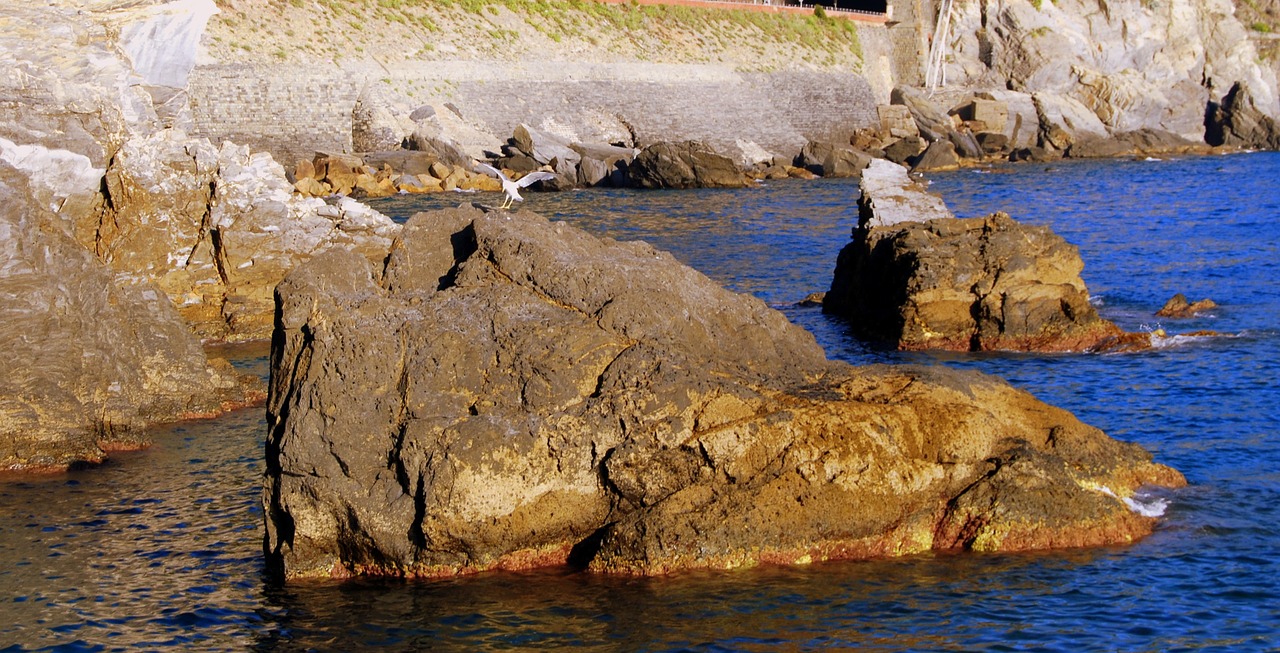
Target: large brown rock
92, 356
684, 165
921, 279
508, 392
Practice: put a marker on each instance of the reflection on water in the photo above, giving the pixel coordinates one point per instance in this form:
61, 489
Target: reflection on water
161, 549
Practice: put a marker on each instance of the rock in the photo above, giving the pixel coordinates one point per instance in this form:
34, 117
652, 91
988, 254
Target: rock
965, 144
940, 155
1238, 121
217, 229
684, 165
1178, 306
890, 196
934, 123
993, 143
92, 356
993, 114
603, 165
1023, 124
1132, 64
547, 149
1035, 154
437, 147
905, 149
512, 393
407, 162
312, 188
1099, 148
916, 278
1064, 121
832, 160
896, 120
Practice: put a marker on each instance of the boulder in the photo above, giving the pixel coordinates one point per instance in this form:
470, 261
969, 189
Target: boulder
688, 164
509, 392
934, 123
832, 159
92, 356
993, 143
904, 149
896, 120
1022, 125
917, 278
940, 155
603, 165
409, 162
547, 149
1178, 306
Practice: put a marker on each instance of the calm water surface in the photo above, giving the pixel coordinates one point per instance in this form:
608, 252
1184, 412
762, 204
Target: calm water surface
161, 549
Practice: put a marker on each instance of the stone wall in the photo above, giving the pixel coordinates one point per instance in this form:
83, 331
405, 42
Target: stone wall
293, 113
286, 112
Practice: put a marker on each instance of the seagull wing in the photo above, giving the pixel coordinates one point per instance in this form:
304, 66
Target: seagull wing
534, 177
491, 170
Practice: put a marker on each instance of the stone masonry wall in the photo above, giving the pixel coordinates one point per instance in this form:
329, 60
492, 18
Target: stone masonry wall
292, 112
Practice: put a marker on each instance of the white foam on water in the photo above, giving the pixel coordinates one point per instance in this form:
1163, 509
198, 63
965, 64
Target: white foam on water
1147, 506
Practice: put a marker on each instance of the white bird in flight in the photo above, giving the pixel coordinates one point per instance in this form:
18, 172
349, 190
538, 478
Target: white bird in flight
512, 188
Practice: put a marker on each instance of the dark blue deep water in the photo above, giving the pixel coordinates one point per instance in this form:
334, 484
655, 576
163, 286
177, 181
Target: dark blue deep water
161, 549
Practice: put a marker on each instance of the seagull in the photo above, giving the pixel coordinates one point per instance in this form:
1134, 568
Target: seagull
512, 188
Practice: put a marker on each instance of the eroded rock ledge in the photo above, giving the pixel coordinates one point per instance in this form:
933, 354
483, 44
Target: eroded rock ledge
509, 392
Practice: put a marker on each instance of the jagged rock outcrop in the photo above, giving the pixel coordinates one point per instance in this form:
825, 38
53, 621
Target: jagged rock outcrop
509, 392
918, 278
1130, 65
688, 164
92, 355
218, 228
1240, 119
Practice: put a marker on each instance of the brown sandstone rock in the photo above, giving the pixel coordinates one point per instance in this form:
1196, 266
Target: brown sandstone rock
1178, 306
921, 279
508, 392
92, 355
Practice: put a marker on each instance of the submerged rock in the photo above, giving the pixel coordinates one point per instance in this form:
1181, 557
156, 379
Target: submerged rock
918, 278
1179, 306
92, 356
509, 392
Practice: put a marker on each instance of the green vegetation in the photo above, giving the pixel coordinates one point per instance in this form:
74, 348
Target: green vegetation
1262, 27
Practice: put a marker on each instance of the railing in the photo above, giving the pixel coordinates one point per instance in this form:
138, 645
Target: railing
771, 6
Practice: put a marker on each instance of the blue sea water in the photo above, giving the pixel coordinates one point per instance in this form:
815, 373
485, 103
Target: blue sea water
161, 549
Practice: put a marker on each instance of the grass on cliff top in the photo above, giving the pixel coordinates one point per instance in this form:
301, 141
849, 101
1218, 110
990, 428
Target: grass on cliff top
629, 27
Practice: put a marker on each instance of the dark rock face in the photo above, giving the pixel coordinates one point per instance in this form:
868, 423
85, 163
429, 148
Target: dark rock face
91, 356
1238, 122
688, 164
509, 393
925, 280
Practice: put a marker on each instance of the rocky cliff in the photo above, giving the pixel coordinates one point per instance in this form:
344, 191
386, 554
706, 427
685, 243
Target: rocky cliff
1109, 67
